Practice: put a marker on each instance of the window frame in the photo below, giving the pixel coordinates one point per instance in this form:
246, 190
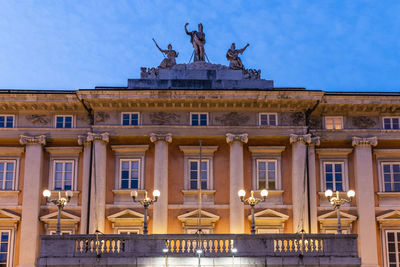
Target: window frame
130, 118
11, 245
391, 122
16, 173
199, 173
129, 231
266, 160
199, 113
74, 174
64, 116
344, 184
140, 173
333, 124
5, 121
268, 114
381, 177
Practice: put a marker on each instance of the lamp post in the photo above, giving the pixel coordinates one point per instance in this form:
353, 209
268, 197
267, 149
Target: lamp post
146, 202
336, 201
252, 201
60, 203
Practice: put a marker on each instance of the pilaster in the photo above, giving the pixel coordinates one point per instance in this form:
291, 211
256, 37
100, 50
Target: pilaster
315, 141
367, 242
83, 141
160, 209
236, 208
29, 242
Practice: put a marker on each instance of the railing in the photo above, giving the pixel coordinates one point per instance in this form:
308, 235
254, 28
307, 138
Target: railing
211, 245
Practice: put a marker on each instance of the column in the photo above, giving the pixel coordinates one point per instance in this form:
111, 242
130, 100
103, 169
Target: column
236, 207
29, 242
98, 184
315, 141
299, 187
160, 209
82, 140
367, 243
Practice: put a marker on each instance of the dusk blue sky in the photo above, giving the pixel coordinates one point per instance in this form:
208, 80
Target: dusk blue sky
332, 45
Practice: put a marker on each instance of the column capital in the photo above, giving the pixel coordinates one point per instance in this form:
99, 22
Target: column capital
230, 138
364, 141
155, 137
305, 138
31, 140
83, 140
91, 137
315, 141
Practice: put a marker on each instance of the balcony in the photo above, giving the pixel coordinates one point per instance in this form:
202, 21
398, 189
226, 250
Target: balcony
213, 249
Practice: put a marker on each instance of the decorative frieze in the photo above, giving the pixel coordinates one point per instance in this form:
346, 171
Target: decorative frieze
101, 117
31, 140
232, 119
237, 137
154, 137
306, 138
364, 141
38, 119
105, 137
163, 118
363, 122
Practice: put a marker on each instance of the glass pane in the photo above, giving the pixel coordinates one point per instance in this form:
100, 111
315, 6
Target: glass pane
68, 166
392, 247
10, 166
135, 165
193, 184
9, 176
386, 168
395, 123
262, 166
4, 237
272, 119
271, 175
396, 177
328, 167
60, 119
397, 187
57, 185
8, 185
338, 177
193, 175
193, 165
387, 177
204, 175
339, 187
124, 174
386, 123
135, 175
58, 176
338, 167
59, 166
329, 186
271, 184
67, 187
388, 187
1, 166
203, 184
261, 185
124, 183
396, 167
125, 165
68, 125
329, 177
134, 183
2, 121
271, 166
195, 119
263, 119
68, 176
68, 119
392, 257
261, 175
390, 236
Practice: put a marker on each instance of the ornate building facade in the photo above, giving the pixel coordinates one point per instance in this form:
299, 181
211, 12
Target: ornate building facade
102, 143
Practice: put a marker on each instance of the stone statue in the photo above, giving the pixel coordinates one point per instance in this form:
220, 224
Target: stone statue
232, 55
198, 39
169, 61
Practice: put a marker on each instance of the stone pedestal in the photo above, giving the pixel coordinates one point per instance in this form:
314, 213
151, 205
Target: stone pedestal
82, 140
29, 242
160, 208
98, 185
236, 207
299, 186
367, 243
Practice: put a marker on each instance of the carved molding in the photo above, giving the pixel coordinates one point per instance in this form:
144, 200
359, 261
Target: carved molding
230, 138
38, 119
91, 137
298, 118
316, 141
162, 118
306, 138
232, 119
363, 122
364, 141
101, 116
31, 140
155, 137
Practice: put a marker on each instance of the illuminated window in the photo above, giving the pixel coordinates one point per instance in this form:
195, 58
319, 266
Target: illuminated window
391, 123
391, 176
266, 174
333, 174
333, 123
198, 119
6, 121
7, 174
64, 121
129, 173
130, 118
63, 174
195, 173
267, 119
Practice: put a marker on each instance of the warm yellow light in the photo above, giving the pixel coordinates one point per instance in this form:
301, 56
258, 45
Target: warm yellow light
46, 193
328, 193
241, 193
264, 193
156, 193
69, 194
351, 193
134, 193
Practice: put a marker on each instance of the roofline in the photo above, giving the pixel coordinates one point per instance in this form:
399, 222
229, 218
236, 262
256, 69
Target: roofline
35, 91
363, 93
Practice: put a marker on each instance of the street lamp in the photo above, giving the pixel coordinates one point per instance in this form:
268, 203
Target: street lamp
146, 202
336, 201
252, 201
60, 203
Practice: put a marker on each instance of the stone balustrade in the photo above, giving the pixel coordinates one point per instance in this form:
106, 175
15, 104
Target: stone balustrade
180, 250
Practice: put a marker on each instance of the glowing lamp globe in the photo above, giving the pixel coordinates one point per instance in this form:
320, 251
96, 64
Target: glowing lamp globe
241, 193
351, 193
264, 193
156, 193
328, 193
46, 193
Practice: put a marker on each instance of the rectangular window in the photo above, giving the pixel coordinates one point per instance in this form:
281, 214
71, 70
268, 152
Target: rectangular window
267, 119
391, 176
393, 248
6, 121
199, 119
131, 118
333, 123
64, 121
5, 248
129, 173
7, 174
333, 174
266, 174
63, 174
391, 123
195, 174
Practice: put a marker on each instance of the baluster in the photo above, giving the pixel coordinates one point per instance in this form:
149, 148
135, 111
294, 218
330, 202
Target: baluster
77, 246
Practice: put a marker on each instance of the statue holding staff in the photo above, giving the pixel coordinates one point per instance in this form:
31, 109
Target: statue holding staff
198, 40
232, 55
169, 61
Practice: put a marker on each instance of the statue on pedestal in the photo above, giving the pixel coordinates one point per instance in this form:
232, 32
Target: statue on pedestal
198, 40
169, 61
232, 55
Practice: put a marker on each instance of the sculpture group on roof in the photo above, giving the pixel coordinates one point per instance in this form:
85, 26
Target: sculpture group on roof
198, 40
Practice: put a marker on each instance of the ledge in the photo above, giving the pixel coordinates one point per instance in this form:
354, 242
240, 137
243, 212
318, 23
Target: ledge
196, 192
